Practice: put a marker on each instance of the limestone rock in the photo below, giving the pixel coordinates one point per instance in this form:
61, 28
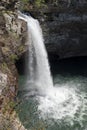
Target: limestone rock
3, 82
10, 122
13, 24
64, 28
12, 46
9, 4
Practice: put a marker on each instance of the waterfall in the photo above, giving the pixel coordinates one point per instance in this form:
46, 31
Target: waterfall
59, 103
39, 69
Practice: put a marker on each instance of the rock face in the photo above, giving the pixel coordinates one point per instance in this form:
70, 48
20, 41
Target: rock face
67, 34
12, 46
11, 123
64, 27
9, 4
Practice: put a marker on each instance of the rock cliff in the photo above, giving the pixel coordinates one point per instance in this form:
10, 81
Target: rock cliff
64, 27
12, 46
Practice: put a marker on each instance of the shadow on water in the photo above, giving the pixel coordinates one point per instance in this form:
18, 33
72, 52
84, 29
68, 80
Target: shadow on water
69, 66
67, 70
75, 66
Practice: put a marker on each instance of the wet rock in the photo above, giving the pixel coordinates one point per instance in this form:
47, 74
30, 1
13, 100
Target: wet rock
64, 27
65, 31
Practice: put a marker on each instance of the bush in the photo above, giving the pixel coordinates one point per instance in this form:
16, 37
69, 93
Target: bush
39, 2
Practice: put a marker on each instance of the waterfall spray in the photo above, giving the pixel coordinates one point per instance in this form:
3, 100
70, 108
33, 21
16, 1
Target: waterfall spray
58, 102
39, 69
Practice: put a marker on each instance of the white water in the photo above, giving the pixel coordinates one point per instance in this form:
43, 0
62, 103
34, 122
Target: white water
39, 70
59, 102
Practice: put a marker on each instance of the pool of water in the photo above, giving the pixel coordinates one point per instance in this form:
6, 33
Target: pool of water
64, 109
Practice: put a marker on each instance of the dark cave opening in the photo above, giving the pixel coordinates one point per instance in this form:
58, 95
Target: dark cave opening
22, 64
73, 65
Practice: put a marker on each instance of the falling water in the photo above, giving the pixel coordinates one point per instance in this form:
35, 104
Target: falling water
39, 70
59, 102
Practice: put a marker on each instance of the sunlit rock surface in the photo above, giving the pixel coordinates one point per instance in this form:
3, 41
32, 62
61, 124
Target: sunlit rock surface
12, 46
12, 123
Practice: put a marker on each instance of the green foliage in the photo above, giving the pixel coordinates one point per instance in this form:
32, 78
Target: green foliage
13, 57
21, 48
25, 1
24, 4
4, 66
12, 104
39, 2
9, 107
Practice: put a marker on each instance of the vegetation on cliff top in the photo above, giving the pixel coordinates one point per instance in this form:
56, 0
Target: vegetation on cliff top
38, 3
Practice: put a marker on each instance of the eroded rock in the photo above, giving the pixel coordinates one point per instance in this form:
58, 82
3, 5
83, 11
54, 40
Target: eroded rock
12, 46
3, 82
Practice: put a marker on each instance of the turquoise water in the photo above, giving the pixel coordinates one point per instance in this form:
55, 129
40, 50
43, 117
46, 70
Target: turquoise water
31, 117
44, 105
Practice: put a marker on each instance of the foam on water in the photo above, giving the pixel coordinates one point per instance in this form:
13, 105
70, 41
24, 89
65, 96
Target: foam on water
59, 102
63, 103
